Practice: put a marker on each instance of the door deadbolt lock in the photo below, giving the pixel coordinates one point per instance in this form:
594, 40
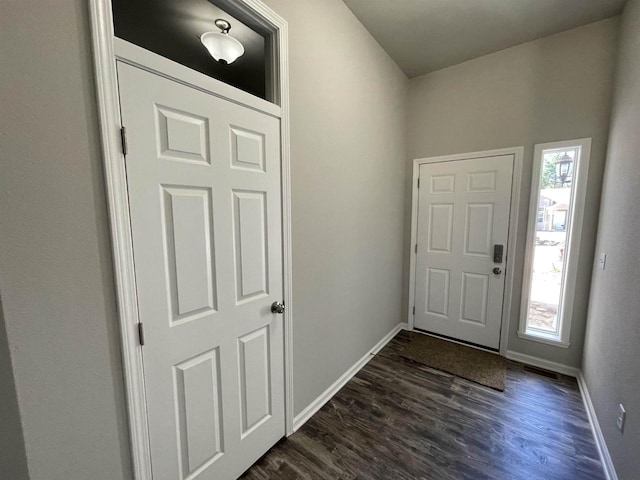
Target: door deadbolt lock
498, 251
497, 270
277, 307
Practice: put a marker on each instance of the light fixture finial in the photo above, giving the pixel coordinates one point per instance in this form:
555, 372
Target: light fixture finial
223, 25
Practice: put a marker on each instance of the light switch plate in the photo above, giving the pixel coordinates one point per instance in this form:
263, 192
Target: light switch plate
602, 260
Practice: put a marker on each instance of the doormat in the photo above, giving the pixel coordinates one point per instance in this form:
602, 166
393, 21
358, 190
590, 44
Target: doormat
476, 365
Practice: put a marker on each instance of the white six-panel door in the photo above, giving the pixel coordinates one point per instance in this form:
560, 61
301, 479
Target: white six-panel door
204, 187
463, 212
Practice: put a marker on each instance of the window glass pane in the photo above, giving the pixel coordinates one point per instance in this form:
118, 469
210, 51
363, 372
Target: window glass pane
551, 240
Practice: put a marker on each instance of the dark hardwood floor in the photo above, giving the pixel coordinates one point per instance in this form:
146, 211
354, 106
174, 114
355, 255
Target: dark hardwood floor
397, 419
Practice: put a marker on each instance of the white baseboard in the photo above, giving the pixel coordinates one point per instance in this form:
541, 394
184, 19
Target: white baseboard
542, 363
607, 463
319, 402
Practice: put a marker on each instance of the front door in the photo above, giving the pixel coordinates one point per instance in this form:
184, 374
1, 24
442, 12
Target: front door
204, 189
463, 219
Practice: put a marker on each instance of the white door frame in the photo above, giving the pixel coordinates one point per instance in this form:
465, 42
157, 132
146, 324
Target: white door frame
517, 153
106, 50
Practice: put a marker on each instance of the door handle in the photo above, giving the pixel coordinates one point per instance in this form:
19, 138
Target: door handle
277, 307
497, 270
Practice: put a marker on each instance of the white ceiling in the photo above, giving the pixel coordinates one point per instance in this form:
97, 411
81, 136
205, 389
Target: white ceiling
427, 35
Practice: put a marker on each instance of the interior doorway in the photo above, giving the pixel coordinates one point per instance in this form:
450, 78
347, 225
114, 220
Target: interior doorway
204, 198
189, 147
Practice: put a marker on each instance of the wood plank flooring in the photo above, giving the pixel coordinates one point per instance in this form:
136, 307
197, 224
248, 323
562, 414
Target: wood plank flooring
397, 419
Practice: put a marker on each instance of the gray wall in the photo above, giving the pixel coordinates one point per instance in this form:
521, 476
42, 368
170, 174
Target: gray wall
349, 184
348, 173
611, 362
13, 461
555, 88
56, 276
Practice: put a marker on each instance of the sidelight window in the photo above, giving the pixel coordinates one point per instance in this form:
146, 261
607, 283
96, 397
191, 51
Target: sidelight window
558, 189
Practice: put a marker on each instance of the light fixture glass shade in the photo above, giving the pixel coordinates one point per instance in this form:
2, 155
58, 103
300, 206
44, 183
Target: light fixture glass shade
222, 46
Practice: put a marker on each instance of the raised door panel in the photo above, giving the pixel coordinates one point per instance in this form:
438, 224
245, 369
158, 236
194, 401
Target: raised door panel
247, 150
475, 291
199, 413
255, 379
478, 229
250, 242
437, 297
182, 136
440, 228
482, 181
442, 184
189, 251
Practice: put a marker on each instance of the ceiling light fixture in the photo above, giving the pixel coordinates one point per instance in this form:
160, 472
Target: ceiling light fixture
222, 46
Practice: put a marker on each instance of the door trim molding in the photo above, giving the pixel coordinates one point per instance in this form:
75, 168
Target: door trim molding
104, 56
518, 153
143, 59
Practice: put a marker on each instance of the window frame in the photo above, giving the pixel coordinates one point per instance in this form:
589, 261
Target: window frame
572, 248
